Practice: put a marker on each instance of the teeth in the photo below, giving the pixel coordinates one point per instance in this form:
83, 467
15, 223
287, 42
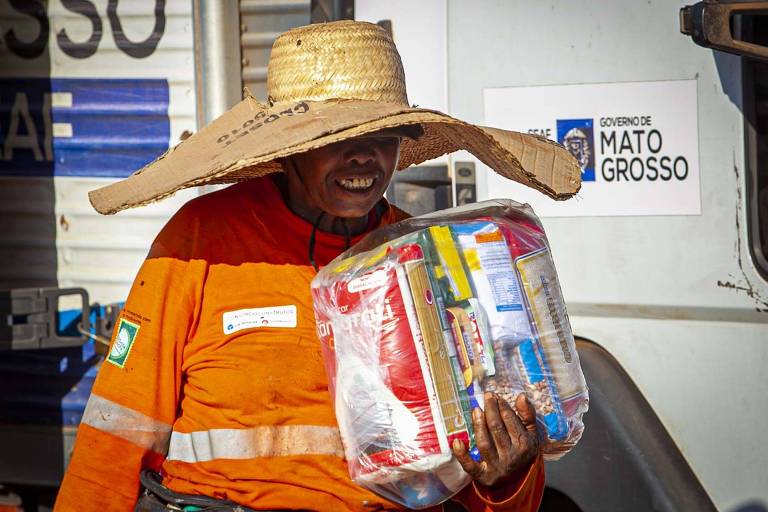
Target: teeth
356, 183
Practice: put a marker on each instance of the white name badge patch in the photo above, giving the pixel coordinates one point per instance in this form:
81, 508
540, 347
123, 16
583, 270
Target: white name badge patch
275, 316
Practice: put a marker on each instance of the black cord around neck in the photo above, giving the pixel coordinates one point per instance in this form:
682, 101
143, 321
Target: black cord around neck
347, 236
312, 238
344, 226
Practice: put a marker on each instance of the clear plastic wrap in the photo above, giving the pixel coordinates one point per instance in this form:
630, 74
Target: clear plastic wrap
420, 318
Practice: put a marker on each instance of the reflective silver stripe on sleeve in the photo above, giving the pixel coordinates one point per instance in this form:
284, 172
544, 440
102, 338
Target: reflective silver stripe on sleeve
265, 441
126, 423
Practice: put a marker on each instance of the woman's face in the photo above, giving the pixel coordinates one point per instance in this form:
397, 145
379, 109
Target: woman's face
345, 179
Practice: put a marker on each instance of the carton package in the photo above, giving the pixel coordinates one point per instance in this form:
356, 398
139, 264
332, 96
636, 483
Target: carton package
419, 319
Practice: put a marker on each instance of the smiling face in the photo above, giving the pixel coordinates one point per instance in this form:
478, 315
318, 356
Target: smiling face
345, 179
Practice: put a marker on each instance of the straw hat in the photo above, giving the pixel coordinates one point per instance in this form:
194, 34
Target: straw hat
326, 83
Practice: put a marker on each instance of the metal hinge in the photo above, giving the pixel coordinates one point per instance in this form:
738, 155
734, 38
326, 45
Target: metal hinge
29, 318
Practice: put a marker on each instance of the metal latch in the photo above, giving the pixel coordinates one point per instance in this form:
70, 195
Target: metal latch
709, 23
29, 318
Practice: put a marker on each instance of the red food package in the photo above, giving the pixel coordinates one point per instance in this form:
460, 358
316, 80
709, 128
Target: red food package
401, 412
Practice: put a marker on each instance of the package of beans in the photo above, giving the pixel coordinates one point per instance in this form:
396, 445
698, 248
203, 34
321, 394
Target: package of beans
422, 317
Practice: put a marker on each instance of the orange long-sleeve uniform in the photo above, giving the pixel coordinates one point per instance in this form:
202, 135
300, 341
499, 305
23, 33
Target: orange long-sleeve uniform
215, 374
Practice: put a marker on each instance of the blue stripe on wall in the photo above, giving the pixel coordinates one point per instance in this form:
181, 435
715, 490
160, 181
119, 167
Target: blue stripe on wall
117, 126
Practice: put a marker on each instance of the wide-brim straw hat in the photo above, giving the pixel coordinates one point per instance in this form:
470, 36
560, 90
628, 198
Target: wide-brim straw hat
327, 83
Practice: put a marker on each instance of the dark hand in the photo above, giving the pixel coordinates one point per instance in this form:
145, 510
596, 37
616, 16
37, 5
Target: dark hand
507, 441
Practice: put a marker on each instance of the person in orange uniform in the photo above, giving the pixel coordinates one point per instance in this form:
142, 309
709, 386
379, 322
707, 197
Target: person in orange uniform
215, 377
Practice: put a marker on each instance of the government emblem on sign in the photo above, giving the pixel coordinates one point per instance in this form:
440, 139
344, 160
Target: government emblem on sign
577, 135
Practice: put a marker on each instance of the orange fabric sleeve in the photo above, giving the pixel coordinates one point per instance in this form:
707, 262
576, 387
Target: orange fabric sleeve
524, 495
128, 420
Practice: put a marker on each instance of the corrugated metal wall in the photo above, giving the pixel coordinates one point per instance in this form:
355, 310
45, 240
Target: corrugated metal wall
114, 89
261, 22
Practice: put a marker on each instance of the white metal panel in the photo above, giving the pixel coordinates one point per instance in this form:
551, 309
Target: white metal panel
419, 31
653, 291
101, 254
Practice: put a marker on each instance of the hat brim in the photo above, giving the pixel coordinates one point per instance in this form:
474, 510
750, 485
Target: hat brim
247, 141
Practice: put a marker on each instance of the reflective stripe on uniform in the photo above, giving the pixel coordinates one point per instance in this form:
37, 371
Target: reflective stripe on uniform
265, 441
126, 423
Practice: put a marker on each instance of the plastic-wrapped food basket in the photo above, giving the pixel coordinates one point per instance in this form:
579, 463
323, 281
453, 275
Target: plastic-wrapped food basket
419, 319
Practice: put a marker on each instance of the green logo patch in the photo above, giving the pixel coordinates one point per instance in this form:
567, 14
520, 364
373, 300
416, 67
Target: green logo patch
126, 335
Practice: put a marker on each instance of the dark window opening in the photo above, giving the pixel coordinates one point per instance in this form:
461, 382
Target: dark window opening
422, 189
741, 20
755, 83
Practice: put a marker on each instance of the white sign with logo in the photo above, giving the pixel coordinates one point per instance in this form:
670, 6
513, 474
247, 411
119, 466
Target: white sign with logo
636, 142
